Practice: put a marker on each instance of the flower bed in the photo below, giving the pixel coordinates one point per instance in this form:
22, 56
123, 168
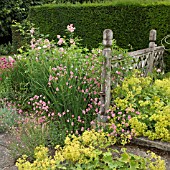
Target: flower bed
55, 89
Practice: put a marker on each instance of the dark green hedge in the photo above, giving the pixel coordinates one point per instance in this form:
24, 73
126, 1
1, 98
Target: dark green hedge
130, 22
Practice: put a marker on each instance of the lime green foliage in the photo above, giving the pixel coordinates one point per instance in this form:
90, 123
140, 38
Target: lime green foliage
151, 100
89, 151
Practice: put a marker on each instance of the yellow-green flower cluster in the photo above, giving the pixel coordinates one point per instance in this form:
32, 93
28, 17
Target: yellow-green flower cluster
158, 163
151, 99
139, 127
84, 152
42, 161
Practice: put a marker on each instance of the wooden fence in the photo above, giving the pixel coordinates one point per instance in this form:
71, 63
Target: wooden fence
145, 59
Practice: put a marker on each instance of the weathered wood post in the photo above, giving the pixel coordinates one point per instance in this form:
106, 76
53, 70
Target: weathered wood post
152, 45
106, 75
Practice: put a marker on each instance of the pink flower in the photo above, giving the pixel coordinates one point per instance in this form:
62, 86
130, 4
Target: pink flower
72, 123
71, 41
20, 111
61, 49
70, 28
71, 73
82, 128
54, 69
123, 130
61, 41
32, 31
108, 117
118, 72
113, 115
137, 113
158, 70
58, 36
50, 78
129, 117
95, 92
92, 122
11, 60
57, 89
41, 120
130, 137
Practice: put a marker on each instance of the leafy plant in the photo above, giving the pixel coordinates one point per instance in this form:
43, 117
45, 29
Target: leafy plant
89, 151
6, 49
61, 77
146, 101
6, 65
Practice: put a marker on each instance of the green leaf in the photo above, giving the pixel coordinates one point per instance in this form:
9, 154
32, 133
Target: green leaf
133, 164
124, 157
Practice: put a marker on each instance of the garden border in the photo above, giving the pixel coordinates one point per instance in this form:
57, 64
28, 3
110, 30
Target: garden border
142, 141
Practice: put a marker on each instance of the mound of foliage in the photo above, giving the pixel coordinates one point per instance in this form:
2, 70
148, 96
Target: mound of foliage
147, 103
89, 151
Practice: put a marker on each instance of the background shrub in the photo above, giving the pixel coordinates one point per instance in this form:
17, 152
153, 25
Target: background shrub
14, 10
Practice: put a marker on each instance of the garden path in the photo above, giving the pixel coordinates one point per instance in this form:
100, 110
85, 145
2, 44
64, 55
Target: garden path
6, 160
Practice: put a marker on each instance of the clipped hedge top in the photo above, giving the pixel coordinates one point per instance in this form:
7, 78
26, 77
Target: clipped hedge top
114, 3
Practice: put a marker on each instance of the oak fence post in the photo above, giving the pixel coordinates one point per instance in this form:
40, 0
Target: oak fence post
106, 75
152, 45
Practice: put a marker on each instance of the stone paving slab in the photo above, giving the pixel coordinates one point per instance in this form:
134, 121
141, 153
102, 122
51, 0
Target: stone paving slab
165, 146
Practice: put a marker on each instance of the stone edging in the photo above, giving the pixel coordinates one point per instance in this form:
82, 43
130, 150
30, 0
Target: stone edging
165, 146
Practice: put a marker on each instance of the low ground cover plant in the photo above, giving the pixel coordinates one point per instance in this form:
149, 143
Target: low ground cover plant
89, 151
145, 103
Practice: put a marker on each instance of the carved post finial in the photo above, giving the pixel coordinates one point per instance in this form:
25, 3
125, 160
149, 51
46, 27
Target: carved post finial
152, 35
107, 37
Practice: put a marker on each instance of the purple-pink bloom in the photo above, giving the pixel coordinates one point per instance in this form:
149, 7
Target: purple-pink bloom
61, 41
70, 28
